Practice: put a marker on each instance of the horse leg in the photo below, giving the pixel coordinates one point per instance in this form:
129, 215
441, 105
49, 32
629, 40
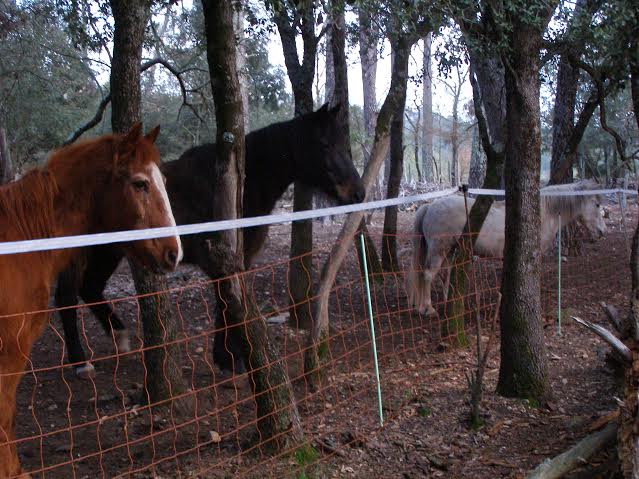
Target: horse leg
100, 267
446, 283
9, 462
430, 273
17, 340
66, 298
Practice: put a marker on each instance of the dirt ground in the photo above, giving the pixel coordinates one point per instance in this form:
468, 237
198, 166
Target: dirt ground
73, 428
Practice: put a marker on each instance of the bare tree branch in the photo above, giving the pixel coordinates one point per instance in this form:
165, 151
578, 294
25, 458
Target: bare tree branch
178, 74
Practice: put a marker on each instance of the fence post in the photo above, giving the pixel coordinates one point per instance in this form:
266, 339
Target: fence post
559, 278
370, 315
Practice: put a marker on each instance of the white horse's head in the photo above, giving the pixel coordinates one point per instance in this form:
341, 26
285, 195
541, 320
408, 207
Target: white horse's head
584, 208
592, 215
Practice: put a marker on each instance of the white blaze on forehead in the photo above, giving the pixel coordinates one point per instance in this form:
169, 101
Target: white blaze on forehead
158, 181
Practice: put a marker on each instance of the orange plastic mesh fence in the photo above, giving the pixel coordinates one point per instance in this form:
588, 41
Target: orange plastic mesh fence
72, 428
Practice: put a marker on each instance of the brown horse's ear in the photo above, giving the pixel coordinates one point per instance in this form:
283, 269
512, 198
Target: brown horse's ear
153, 134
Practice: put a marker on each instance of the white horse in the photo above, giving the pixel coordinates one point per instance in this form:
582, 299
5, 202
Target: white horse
438, 226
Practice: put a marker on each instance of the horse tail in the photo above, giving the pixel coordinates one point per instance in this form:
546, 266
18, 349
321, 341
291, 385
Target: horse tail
416, 281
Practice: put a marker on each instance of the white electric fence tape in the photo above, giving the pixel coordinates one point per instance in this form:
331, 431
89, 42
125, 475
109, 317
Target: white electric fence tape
62, 242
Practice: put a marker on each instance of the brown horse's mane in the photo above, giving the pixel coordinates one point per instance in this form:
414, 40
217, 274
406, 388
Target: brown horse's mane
27, 205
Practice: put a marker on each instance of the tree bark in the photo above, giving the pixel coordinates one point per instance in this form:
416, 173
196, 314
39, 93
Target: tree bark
489, 97
523, 370
329, 89
389, 239
300, 275
477, 162
563, 125
340, 96
6, 165
563, 169
563, 115
163, 364
455, 180
319, 337
462, 251
278, 420
427, 112
368, 33
634, 77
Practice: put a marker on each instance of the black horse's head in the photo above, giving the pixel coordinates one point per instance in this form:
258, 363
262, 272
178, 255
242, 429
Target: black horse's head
327, 163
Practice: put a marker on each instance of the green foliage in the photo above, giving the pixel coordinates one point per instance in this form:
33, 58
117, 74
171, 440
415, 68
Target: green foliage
305, 456
424, 411
46, 83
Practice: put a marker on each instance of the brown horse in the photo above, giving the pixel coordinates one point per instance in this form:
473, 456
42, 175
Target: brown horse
106, 184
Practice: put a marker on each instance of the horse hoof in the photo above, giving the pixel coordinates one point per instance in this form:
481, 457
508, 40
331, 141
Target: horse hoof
86, 371
122, 343
430, 311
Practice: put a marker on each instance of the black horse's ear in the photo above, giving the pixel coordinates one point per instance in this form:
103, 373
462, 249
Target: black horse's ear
153, 134
336, 109
323, 108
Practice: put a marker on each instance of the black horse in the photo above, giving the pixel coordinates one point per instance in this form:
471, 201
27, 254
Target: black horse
311, 148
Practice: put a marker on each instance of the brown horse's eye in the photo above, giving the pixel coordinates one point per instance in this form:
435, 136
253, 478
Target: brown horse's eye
141, 185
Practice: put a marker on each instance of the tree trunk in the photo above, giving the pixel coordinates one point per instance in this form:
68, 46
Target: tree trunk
563, 115
634, 77
6, 165
163, 364
238, 26
416, 132
278, 420
300, 275
569, 155
563, 124
523, 370
329, 89
462, 251
319, 336
368, 33
340, 96
489, 99
455, 180
477, 163
389, 239
427, 109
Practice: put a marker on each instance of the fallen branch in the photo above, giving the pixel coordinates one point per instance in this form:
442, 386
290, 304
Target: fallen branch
576, 455
613, 316
618, 347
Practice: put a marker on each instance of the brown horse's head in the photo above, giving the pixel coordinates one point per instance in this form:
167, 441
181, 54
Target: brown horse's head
327, 163
136, 199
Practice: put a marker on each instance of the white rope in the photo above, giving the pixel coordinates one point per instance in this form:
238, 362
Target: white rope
45, 244
480, 192
62, 242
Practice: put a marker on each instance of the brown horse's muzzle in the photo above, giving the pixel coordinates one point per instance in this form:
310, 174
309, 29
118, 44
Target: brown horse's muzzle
161, 255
